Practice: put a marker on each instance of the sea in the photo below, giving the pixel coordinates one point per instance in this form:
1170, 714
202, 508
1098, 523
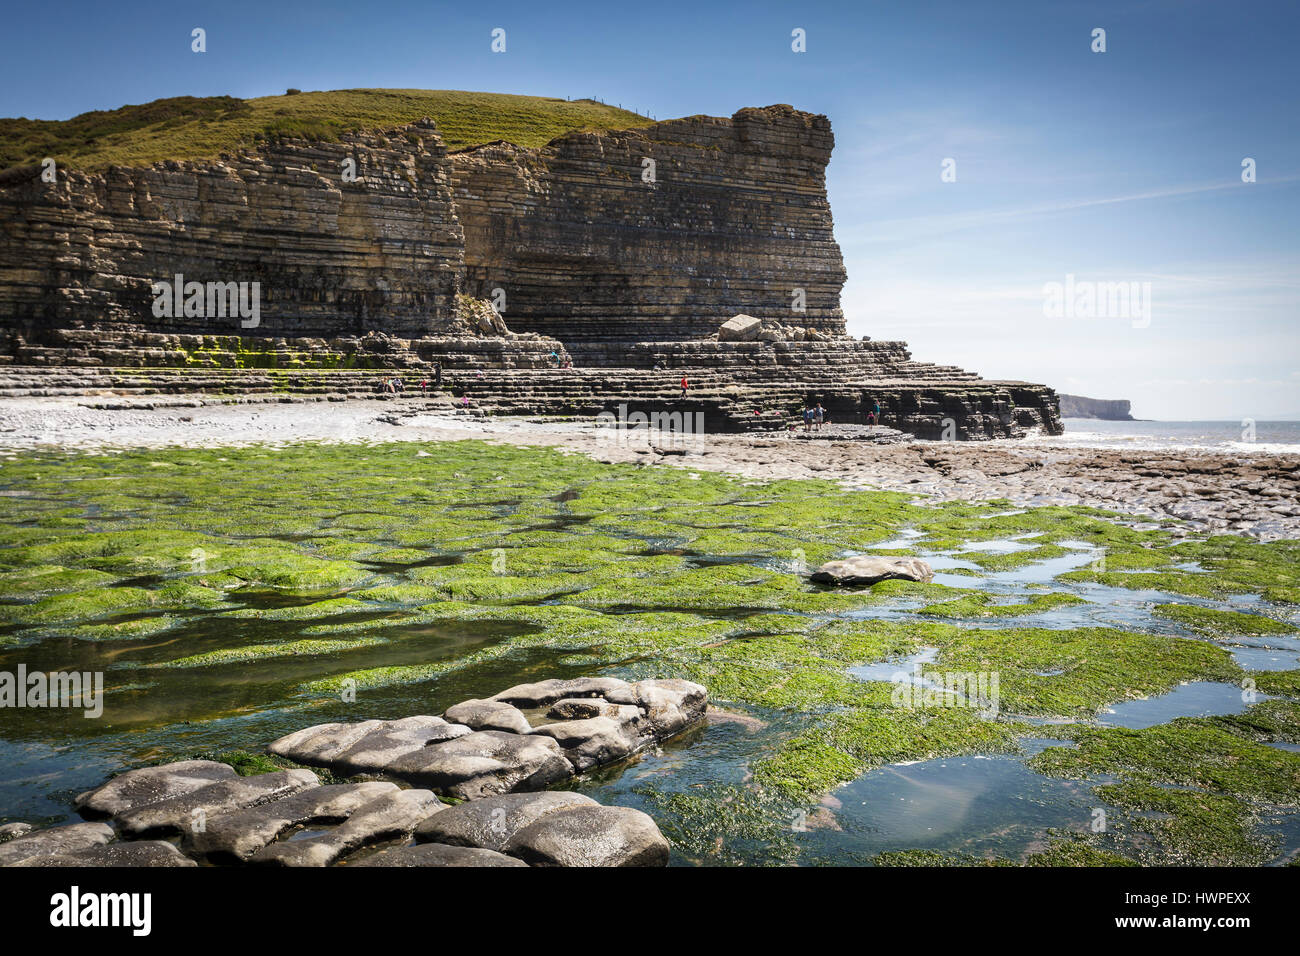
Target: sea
1257, 438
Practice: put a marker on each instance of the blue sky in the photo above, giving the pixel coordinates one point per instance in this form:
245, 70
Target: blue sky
1116, 166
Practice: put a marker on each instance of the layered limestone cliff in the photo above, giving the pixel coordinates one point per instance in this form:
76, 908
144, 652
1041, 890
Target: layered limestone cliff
658, 233
332, 257
624, 249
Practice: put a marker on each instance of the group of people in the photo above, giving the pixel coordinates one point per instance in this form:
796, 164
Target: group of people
814, 417
396, 384
557, 363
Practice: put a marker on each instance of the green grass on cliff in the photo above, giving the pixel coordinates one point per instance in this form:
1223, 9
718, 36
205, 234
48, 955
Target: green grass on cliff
189, 127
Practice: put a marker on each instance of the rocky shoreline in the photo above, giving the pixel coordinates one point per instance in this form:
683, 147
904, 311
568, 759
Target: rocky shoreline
492, 758
1255, 495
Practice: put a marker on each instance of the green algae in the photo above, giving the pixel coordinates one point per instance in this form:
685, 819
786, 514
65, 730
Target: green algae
355, 561
1209, 754
983, 605
238, 655
1077, 672
1193, 827
1204, 620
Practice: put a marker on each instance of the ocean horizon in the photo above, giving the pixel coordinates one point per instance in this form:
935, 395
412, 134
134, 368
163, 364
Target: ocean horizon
1268, 437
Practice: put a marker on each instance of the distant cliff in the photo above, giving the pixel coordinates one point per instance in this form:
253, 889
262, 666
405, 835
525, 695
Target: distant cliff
1106, 409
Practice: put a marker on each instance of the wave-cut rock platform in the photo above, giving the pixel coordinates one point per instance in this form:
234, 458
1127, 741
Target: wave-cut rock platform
462, 789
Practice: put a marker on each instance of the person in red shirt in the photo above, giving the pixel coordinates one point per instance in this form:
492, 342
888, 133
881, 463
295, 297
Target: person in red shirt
685, 386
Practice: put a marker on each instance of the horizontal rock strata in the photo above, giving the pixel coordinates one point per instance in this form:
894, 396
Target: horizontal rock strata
618, 250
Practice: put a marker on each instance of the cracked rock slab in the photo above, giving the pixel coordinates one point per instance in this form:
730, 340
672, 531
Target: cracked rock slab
134, 853
55, 841
137, 788
489, 823
192, 810
544, 693
389, 817
439, 854
591, 836
392, 739
485, 762
234, 837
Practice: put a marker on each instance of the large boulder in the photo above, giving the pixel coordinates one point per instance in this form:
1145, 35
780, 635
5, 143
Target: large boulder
865, 569
392, 739
489, 715
547, 692
321, 744
491, 822
740, 328
591, 742
366, 747
591, 836
137, 788
134, 853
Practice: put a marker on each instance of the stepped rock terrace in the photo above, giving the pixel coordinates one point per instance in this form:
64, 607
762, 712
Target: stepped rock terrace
502, 264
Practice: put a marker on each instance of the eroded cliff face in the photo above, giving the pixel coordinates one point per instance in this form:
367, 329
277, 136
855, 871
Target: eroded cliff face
659, 233
332, 256
629, 247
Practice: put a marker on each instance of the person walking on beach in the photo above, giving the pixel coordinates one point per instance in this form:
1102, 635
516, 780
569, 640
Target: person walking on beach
685, 388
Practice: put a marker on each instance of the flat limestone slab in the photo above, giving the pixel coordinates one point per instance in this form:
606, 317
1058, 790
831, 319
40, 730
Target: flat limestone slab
389, 817
544, 693
485, 762
391, 740
591, 836
54, 842
134, 853
491, 822
193, 810
234, 837
438, 854
136, 788
321, 744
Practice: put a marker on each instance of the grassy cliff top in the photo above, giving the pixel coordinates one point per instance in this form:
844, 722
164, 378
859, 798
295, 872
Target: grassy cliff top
190, 127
